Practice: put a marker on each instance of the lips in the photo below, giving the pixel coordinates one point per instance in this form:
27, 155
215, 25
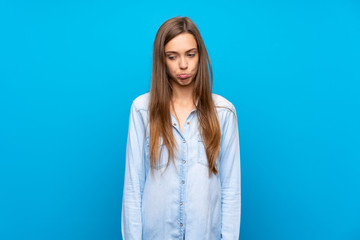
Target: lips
183, 76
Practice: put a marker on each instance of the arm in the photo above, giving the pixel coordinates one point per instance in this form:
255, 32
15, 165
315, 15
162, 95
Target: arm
131, 218
230, 177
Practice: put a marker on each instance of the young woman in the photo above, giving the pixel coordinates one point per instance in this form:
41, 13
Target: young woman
182, 175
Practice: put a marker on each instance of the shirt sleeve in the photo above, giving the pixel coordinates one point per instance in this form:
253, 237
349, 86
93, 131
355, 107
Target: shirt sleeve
230, 177
131, 217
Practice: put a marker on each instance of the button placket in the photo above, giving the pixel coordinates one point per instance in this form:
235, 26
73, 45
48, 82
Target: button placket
182, 177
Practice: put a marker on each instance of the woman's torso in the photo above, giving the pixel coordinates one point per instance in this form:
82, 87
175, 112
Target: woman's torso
182, 197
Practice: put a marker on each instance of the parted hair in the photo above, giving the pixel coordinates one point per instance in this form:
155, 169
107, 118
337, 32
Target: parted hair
161, 92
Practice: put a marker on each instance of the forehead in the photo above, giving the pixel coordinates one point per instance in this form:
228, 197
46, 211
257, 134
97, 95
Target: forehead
181, 43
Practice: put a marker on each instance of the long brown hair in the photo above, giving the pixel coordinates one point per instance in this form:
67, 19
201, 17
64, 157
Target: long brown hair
161, 92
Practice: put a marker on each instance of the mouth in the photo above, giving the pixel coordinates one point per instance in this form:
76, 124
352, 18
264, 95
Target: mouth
184, 76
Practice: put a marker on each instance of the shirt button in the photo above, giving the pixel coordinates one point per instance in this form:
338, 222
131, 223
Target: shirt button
181, 224
184, 141
183, 182
174, 124
184, 161
181, 203
188, 123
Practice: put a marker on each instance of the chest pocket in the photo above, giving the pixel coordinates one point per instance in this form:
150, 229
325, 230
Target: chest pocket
163, 154
201, 152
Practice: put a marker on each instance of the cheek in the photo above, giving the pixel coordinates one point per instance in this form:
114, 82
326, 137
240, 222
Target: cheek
195, 65
169, 67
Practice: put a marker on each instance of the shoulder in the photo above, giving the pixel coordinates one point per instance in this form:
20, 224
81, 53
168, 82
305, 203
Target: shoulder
141, 102
222, 104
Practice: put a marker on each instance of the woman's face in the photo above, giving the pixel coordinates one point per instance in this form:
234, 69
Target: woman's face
182, 59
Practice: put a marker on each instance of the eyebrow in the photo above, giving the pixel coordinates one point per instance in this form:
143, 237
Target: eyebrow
186, 51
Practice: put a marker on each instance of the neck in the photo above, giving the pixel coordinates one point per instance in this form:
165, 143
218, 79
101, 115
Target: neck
182, 94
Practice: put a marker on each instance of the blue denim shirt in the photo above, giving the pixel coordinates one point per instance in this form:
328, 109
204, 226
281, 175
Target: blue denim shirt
182, 202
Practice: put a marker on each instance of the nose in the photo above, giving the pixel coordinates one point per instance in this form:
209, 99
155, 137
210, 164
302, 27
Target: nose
183, 63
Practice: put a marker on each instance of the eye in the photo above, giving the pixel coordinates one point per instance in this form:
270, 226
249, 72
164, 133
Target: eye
191, 54
171, 57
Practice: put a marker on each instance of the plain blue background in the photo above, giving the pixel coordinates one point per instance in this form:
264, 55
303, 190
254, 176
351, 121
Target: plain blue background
69, 71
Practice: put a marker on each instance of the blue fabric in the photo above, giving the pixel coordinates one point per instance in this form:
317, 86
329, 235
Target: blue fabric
182, 196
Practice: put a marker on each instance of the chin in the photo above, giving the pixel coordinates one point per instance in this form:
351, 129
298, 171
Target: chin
185, 82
